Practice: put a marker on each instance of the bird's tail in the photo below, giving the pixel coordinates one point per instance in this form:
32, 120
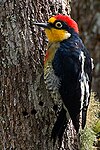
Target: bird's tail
59, 126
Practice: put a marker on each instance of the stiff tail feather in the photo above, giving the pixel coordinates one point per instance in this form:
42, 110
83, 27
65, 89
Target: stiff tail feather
59, 127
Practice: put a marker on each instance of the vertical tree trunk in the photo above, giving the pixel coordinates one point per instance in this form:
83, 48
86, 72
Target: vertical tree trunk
26, 109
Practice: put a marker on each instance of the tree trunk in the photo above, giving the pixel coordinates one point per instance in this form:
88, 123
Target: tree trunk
27, 112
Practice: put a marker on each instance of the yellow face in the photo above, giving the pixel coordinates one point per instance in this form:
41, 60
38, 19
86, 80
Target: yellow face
56, 35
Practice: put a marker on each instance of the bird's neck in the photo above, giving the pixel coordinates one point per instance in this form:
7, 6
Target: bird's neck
53, 46
51, 50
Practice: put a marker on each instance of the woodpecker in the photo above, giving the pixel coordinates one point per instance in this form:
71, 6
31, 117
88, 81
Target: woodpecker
67, 71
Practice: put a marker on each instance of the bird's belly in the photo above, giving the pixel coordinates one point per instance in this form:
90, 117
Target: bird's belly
52, 82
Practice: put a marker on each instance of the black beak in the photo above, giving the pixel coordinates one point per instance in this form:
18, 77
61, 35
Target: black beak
44, 25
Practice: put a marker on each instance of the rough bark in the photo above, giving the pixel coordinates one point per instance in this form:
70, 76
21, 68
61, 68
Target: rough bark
27, 113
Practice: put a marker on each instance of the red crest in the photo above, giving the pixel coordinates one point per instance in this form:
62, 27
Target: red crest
70, 22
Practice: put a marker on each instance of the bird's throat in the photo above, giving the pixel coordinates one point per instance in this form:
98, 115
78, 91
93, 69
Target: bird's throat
51, 50
55, 35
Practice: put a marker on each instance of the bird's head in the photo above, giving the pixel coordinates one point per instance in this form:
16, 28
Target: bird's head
59, 28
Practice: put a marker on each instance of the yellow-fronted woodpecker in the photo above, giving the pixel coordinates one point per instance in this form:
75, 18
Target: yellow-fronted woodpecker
68, 71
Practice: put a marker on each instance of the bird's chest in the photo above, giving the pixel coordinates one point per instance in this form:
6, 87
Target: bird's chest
51, 79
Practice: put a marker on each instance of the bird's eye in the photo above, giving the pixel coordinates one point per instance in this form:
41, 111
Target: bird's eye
58, 25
